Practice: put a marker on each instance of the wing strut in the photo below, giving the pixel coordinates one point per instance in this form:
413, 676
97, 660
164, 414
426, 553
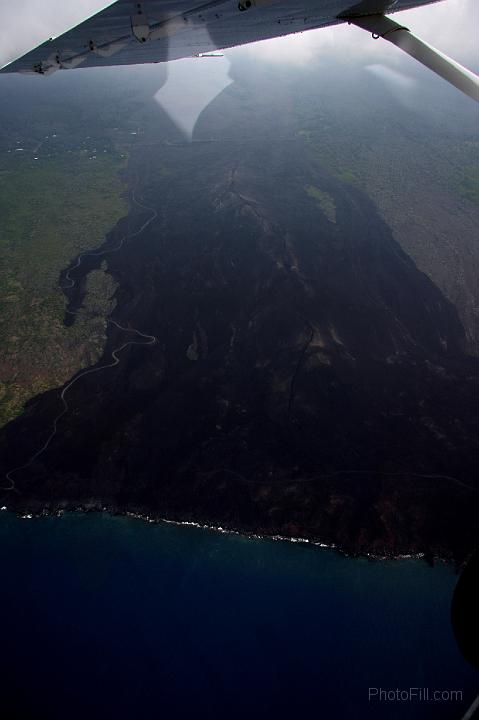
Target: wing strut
384, 27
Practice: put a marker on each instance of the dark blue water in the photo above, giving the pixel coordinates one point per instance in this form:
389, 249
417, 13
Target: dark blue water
105, 617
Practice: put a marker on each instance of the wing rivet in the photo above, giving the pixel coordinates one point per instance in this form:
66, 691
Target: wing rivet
140, 26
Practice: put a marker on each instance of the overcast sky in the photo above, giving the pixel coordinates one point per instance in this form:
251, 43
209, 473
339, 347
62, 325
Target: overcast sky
451, 25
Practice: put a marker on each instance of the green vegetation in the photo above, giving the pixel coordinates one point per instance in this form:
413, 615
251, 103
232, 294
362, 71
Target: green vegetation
306, 134
336, 157
325, 201
469, 185
348, 176
51, 210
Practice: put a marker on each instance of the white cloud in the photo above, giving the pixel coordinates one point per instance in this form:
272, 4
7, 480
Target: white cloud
24, 24
451, 26
392, 78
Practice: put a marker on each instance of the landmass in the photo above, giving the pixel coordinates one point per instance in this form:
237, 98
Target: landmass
54, 205
281, 355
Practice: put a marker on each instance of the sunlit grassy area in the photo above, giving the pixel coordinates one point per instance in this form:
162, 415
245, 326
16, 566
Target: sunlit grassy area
51, 209
469, 184
324, 200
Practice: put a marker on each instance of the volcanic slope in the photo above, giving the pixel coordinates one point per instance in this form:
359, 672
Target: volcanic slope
307, 379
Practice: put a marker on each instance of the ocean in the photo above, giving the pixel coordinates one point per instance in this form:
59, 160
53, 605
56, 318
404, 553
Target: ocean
113, 617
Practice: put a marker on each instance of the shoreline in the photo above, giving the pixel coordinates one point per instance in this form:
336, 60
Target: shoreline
342, 550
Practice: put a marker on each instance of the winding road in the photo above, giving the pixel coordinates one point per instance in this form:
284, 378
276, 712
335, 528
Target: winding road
147, 340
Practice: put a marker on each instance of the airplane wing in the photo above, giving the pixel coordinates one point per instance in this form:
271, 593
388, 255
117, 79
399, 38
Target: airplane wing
129, 32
